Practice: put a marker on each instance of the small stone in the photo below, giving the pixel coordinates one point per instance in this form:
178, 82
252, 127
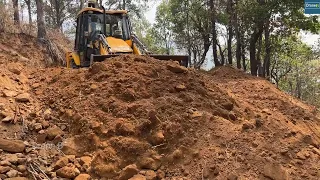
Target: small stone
118, 64
316, 151
4, 169
284, 151
45, 124
69, 171
47, 114
62, 162
83, 177
85, 160
22, 168
247, 125
37, 127
69, 147
5, 163
161, 174
176, 68
94, 86
303, 155
128, 172
7, 119
180, 87
15, 68
53, 132
12, 158
259, 122
138, 177
196, 114
309, 140
151, 175
58, 139
148, 163
12, 173
267, 111
22, 160
13, 146
35, 85
25, 97
41, 138
275, 171
2, 106
158, 138
255, 144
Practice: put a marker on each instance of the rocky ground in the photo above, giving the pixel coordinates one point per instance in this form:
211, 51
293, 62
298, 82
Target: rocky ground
141, 119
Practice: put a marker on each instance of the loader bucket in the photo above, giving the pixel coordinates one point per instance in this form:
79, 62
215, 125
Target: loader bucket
183, 60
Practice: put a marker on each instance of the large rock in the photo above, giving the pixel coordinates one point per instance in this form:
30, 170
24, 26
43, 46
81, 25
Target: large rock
22, 168
128, 172
176, 68
53, 132
85, 162
12, 158
17, 178
15, 68
83, 177
275, 171
138, 177
62, 162
4, 169
12, 173
8, 93
25, 97
69, 147
13, 146
158, 138
151, 175
69, 171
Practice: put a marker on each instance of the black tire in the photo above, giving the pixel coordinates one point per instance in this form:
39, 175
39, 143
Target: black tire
73, 65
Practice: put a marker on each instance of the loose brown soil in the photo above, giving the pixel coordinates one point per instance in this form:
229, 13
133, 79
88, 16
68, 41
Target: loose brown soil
133, 115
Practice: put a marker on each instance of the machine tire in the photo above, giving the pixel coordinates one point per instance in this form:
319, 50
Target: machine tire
73, 65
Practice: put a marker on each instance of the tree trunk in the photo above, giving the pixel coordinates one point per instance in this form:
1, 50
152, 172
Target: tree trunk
230, 32
260, 67
253, 40
40, 20
81, 4
238, 37
214, 34
16, 17
221, 54
266, 63
28, 2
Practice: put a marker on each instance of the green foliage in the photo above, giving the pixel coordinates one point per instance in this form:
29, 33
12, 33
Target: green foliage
295, 71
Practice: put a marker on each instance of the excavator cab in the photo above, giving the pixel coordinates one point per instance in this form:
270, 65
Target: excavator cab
101, 34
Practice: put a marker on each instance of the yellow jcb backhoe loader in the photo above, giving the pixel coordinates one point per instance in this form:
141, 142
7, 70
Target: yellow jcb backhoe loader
102, 34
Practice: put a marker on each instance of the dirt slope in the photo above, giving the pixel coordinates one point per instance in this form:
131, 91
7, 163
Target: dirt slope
213, 124
139, 118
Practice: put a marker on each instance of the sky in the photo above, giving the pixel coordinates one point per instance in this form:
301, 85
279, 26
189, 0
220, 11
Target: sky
151, 13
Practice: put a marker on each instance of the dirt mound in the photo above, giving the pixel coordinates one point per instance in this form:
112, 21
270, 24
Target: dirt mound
23, 49
179, 122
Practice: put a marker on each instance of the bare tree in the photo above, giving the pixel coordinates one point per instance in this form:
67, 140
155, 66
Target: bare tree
28, 3
40, 20
16, 17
